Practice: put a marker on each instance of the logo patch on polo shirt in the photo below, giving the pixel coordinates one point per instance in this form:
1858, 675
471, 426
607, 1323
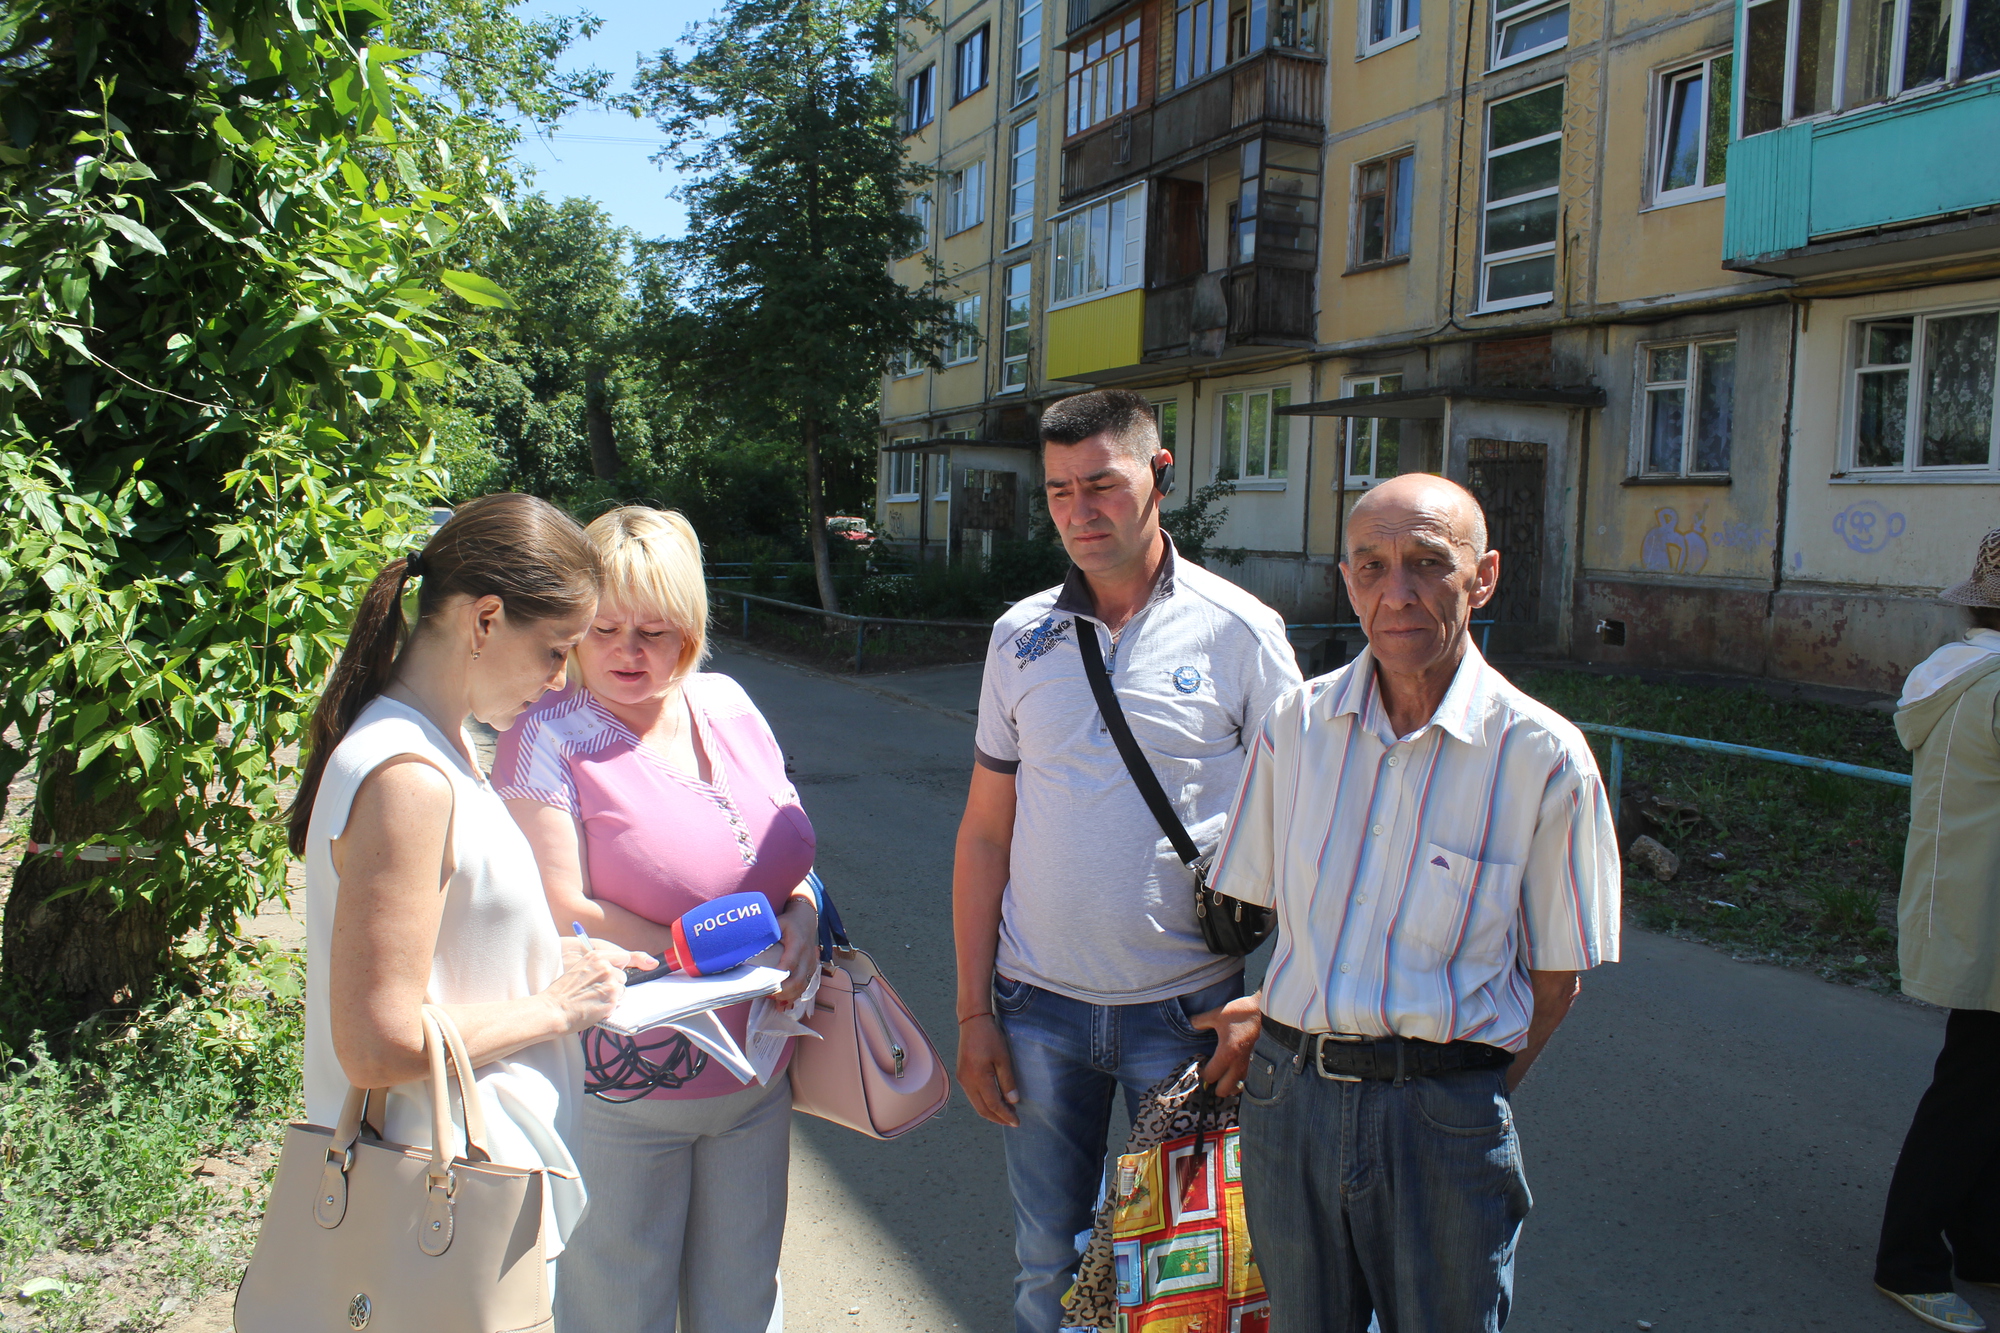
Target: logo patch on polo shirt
1033, 643
1440, 863
1187, 680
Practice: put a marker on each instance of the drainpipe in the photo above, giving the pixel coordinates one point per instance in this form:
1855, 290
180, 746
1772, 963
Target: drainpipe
1784, 493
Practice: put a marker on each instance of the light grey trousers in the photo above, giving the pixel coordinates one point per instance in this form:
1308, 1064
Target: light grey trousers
686, 1214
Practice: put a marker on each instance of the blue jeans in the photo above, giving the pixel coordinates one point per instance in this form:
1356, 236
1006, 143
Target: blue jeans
1070, 1059
1367, 1198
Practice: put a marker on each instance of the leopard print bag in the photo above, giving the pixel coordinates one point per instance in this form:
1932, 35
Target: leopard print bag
1176, 1106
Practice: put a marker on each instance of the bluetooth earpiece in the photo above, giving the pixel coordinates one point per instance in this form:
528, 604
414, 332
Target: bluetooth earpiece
1163, 477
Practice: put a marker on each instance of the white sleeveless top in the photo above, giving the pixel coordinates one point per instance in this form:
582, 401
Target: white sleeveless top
496, 941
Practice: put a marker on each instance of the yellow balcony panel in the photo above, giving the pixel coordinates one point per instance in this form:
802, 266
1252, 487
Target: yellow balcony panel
1097, 335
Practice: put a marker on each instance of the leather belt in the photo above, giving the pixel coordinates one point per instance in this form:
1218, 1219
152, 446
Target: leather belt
1350, 1059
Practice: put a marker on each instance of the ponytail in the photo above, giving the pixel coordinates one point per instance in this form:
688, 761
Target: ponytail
525, 551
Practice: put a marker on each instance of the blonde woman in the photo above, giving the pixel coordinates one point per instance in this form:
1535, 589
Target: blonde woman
646, 789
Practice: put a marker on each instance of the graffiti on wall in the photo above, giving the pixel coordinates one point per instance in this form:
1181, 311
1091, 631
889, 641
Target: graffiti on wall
1866, 526
1670, 549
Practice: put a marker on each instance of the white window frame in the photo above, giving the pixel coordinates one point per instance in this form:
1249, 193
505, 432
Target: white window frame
1843, 46
920, 207
1640, 464
915, 116
901, 470
1519, 14
1486, 205
1664, 84
1027, 52
1911, 469
1132, 267
1356, 427
1016, 299
1021, 183
965, 197
1406, 24
943, 491
1277, 396
1390, 196
976, 44
1167, 411
964, 346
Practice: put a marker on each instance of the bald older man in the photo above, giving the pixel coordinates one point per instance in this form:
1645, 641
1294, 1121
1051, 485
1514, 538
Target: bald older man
1442, 860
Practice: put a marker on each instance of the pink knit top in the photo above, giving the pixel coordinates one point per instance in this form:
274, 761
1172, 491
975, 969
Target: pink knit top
658, 841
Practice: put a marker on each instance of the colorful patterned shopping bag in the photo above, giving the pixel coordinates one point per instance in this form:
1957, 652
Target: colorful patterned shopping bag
1171, 1252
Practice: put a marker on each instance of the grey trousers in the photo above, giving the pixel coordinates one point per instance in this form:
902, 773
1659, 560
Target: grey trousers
686, 1215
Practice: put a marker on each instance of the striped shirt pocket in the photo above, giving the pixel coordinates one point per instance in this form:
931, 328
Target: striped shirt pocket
1460, 908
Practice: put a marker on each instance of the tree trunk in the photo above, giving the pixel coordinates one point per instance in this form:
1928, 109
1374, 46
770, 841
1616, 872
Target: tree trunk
597, 424
79, 948
829, 600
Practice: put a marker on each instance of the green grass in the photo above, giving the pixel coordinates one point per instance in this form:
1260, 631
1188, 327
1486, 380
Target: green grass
1789, 864
102, 1126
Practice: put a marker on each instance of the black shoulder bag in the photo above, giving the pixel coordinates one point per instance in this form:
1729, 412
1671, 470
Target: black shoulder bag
1228, 925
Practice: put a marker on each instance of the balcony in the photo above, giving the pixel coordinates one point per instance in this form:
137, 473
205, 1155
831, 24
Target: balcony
1282, 91
1251, 305
1912, 181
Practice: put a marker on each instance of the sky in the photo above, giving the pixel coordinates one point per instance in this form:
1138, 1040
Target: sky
602, 155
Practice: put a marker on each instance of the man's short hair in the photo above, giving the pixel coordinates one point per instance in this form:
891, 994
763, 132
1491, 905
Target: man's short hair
1123, 415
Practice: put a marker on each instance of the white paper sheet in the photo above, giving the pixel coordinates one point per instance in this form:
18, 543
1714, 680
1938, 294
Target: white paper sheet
668, 1000
771, 1027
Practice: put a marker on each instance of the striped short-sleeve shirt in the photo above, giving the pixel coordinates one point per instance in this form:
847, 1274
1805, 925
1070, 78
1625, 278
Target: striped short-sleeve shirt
1418, 879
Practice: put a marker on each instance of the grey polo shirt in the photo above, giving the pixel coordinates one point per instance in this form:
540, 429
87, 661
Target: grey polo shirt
1098, 907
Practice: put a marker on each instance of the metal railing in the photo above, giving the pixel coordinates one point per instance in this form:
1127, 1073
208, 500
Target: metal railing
1615, 781
1485, 628
861, 623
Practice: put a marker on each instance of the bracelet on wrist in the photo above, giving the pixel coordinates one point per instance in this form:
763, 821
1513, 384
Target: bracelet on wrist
983, 1013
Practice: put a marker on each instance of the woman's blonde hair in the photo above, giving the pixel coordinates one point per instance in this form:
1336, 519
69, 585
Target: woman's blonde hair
652, 570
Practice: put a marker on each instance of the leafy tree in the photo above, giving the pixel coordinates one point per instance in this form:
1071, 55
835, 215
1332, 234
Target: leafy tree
223, 226
786, 121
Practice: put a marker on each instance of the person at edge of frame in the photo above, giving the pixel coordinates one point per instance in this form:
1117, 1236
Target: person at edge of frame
1442, 859
1081, 966
1942, 1218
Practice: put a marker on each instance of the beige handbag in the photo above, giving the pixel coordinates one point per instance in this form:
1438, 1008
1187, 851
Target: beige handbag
363, 1234
874, 1068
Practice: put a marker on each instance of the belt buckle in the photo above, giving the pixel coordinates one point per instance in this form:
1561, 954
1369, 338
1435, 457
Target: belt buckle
1320, 1039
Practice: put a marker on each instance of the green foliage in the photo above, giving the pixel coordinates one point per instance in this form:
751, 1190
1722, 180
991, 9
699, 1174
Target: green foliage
98, 1130
222, 232
1193, 525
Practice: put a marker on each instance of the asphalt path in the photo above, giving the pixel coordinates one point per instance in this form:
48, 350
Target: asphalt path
1708, 1141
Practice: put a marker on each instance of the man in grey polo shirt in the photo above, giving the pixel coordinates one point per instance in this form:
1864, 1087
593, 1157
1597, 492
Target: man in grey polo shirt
1081, 968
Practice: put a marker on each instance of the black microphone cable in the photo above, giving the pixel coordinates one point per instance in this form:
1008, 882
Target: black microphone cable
624, 1069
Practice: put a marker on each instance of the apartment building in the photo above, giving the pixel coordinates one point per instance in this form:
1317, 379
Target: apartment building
1689, 295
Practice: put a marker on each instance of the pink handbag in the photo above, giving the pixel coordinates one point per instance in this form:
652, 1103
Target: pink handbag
873, 1068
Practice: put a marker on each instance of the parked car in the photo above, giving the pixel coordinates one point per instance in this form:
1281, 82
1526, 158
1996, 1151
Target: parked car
852, 531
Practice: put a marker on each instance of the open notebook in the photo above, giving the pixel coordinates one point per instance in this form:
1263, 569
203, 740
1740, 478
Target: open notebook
687, 1004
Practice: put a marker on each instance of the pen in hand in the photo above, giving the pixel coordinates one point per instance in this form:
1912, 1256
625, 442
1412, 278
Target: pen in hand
633, 975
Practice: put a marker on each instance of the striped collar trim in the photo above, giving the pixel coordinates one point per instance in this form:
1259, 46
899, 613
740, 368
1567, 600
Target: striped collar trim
1472, 698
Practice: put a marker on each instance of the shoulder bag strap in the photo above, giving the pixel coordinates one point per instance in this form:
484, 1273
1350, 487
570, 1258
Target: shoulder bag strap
1142, 773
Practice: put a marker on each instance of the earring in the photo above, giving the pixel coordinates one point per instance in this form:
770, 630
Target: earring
475, 654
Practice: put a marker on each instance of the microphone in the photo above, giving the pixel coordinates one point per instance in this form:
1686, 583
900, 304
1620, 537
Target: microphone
716, 936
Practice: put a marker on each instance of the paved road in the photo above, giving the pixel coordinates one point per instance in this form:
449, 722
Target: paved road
1708, 1141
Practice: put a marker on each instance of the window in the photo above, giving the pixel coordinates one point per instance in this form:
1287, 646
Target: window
1168, 410
964, 344
1690, 395
964, 198
1021, 186
1693, 136
1255, 440
1100, 248
1383, 190
904, 363
1523, 29
920, 100
1028, 52
1523, 176
1387, 22
1923, 392
919, 208
969, 65
905, 471
941, 463
1277, 202
1201, 40
1103, 77
1374, 444
1810, 57
1014, 332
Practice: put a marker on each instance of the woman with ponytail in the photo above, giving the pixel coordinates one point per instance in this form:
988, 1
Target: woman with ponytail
419, 886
